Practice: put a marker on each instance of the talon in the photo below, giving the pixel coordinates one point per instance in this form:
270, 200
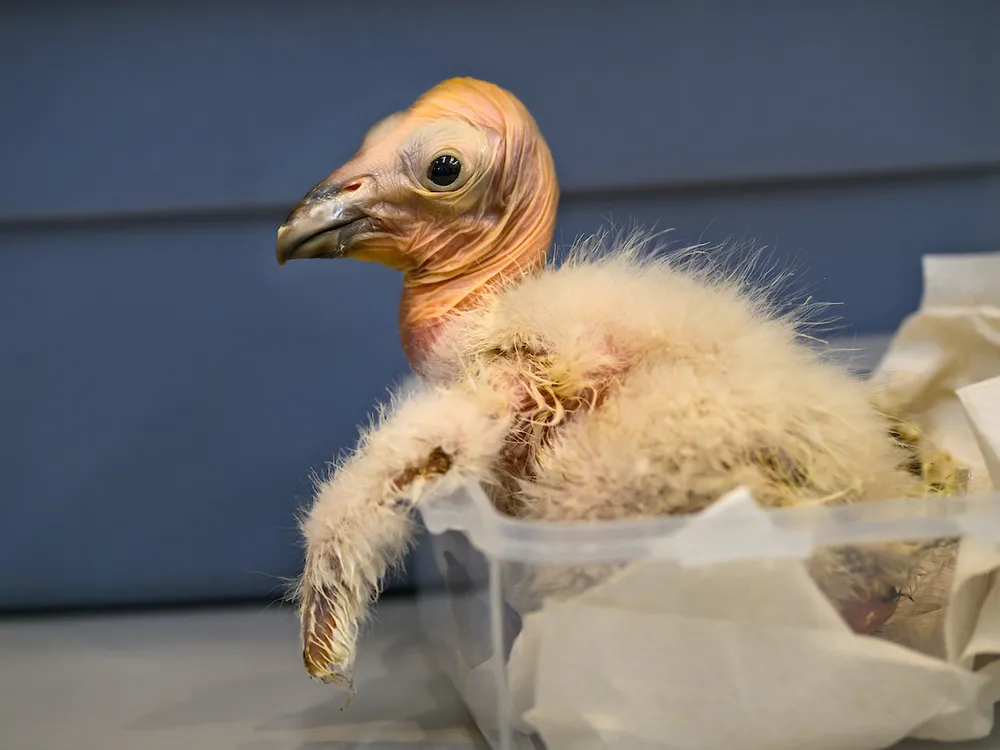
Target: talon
352, 691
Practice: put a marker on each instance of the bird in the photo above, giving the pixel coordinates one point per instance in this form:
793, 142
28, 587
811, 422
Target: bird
615, 382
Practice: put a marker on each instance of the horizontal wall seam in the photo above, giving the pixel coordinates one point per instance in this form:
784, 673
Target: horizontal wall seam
664, 189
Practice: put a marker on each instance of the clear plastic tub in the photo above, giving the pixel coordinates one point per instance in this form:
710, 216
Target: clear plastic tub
709, 577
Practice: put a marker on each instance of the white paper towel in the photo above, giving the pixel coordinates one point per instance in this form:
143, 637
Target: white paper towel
746, 655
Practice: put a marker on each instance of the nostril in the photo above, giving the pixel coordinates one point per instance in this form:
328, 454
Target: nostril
326, 190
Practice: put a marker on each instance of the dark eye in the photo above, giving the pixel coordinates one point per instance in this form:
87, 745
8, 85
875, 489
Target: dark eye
444, 170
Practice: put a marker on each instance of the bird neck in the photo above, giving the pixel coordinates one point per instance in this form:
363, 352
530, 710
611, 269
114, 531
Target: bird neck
431, 294
457, 265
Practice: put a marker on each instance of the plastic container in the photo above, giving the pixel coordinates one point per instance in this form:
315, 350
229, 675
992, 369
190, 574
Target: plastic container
497, 571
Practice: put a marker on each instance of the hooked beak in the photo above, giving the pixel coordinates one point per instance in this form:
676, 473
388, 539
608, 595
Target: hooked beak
326, 224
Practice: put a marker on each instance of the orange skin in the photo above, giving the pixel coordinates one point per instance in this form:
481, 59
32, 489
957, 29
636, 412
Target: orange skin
490, 227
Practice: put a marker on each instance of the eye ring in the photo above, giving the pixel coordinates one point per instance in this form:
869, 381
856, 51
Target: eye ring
444, 171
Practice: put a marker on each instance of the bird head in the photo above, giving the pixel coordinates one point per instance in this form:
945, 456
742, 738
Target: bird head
458, 192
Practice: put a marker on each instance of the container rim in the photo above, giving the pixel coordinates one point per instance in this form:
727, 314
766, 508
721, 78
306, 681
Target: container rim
793, 532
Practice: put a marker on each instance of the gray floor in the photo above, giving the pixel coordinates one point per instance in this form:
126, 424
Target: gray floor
216, 680
227, 679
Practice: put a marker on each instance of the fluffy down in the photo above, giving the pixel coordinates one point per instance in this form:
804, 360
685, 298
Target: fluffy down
360, 522
617, 383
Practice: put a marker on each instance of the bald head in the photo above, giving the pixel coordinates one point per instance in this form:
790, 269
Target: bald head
459, 192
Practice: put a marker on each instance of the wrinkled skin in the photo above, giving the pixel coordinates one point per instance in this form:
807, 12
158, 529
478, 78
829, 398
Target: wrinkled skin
452, 242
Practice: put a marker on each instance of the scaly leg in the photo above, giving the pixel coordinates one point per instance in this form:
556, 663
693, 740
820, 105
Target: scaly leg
360, 521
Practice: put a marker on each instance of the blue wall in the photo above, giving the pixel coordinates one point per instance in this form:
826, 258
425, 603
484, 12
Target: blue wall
166, 388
